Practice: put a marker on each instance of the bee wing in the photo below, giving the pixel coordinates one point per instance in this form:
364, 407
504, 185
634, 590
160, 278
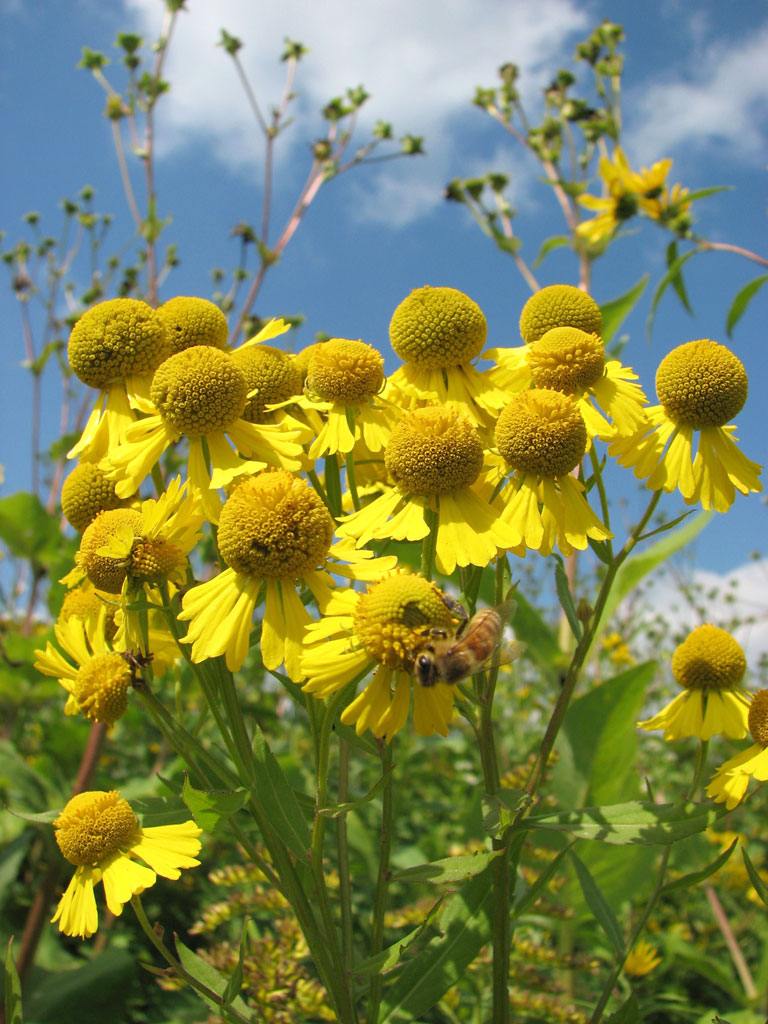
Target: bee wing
508, 651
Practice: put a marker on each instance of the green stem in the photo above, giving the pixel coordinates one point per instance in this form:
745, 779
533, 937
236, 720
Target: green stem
349, 460
333, 485
382, 881
342, 844
429, 544
600, 484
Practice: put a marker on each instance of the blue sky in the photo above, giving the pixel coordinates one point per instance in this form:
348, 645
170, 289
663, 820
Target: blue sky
695, 89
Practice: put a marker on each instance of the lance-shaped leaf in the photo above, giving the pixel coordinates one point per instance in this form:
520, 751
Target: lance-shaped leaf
617, 310
389, 958
742, 300
694, 877
211, 810
12, 988
449, 869
339, 810
277, 800
760, 887
598, 904
629, 1013
209, 977
632, 823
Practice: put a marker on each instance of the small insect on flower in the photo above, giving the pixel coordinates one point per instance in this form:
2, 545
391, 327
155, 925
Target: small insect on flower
476, 643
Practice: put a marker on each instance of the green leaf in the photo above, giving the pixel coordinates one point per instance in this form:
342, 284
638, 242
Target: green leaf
543, 648
634, 822
597, 903
665, 526
499, 809
27, 529
389, 958
617, 310
741, 301
759, 885
702, 193
628, 1013
13, 1013
566, 597
424, 981
89, 994
338, 810
277, 799
211, 810
553, 242
449, 869
528, 898
694, 877
208, 976
672, 275
235, 982
677, 279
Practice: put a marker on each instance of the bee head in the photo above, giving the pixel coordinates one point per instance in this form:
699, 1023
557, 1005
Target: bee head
426, 669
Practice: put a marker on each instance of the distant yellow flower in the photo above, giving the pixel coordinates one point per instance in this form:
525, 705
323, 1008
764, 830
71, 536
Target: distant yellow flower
701, 385
710, 665
99, 834
627, 191
642, 959
730, 781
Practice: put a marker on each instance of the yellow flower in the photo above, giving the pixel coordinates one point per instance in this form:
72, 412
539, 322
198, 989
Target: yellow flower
190, 321
627, 191
85, 493
730, 781
642, 959
382, 628
709, 664
275, 534
542, 437
99, 834
434, 457
701, 385
559, 305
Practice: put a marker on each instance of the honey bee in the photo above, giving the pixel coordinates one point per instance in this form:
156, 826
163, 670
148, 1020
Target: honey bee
445, 658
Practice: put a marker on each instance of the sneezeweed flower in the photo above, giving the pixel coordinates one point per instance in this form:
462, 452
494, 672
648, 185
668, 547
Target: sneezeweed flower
85, 493
641, 959
573, 361
382, 629
200, 393
730, 781
437, 332
87, 603
627, 192
701, 385
275, 535
434, 457
559, 305
542, 437
190, 321
99, 833
709, 664
115, 347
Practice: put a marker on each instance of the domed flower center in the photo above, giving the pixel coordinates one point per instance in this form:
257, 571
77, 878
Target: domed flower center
93, 825
301, 359
345, 371
192, 321
274, 526
115, 339
199, 390
757, 720
154, 560
272, 374
391, 617
559, 305
101, 688
709, 657
541, 432
104, 572
566, 359
85, 493
701, 384
434, 451
437, 327
83, 603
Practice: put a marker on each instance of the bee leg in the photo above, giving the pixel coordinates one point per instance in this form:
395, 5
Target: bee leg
456, 608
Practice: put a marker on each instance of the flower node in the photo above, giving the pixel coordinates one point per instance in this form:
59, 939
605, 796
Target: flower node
85, 493
559, 305
757, 720
567, 359
192, 321
103, 571
434, 451
709, 656
272, 374
701, 384
437, 327
392, 615
541, 432
115, 339
274, 526
101, 688
199, 390
345, 371
93, 825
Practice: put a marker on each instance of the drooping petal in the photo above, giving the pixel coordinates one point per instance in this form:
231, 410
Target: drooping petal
123, 878
169, 848
76, 912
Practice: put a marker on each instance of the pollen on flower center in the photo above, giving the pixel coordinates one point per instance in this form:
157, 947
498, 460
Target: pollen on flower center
559, 305
701, 384
541, 432
104, 572
101, 687
391, 617
709, 656
199, 390
274, 526
94, 825
566, 359
437, 327
272, 374
434, 451
345, 371
757, 719
115, 339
